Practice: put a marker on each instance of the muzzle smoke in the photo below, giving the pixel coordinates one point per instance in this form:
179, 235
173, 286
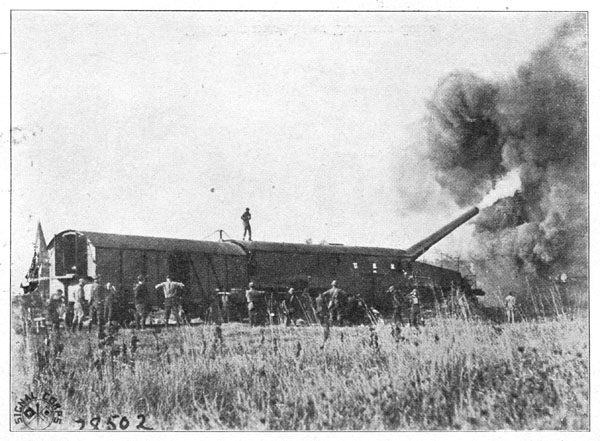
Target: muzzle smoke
519, 148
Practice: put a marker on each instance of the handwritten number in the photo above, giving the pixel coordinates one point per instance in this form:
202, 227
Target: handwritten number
142, 419
110, 424
94, 422
124, 423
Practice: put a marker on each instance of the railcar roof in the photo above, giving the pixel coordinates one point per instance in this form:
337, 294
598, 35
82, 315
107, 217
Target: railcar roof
121, 241
230, 247
302, 248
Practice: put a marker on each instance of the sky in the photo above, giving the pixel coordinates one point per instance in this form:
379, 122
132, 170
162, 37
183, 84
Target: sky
171, 124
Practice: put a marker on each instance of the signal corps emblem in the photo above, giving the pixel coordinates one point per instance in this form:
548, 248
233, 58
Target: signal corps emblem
38, 412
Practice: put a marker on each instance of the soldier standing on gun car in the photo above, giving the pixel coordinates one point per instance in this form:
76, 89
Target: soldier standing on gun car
246, 216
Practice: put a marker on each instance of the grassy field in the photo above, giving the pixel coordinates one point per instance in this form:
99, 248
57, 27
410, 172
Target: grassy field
452, 375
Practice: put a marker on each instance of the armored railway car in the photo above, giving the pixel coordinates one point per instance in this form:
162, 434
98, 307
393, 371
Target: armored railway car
207, 266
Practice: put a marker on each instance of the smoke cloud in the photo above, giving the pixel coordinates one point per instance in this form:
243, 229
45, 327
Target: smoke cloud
533, 125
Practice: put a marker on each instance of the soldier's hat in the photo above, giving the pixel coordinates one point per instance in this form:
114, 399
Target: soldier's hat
334, 283
251, 284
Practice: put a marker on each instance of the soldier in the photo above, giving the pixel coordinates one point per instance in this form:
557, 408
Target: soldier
214, 314
246, 216
252, 298
78, 307
224, 298
415, 308
170, 290
97, 297
141, 300
397, 303
509, 304
353, 310
110, 301
54, 309
292, 307
337, 303
321, 308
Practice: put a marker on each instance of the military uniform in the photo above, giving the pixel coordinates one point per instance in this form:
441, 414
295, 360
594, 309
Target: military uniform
170, 290
246, 216
54, 309
337, 303
415, 308
321, 308
293, 307
254, 300
78, 307
110, 301
97, 298
141, 300
397, 303
509, 303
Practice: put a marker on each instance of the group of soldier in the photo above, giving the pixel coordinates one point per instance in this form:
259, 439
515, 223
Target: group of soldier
100, 308
103, 303
331, 307
402, 302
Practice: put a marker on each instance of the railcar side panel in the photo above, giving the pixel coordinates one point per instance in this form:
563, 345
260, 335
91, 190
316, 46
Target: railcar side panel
108, 265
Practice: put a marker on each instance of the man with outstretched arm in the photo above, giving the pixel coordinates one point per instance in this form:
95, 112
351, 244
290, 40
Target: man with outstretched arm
171, 290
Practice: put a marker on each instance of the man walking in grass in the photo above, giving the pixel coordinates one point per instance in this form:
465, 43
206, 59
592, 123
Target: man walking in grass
509, 304
171, 290
415, 308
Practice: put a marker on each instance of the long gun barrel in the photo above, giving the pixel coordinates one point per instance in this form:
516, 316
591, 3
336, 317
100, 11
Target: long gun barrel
420, 247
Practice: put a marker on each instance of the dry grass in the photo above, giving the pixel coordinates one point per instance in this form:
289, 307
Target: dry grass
453, 375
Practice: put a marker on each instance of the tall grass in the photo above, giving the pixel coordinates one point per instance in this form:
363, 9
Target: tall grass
453, 374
